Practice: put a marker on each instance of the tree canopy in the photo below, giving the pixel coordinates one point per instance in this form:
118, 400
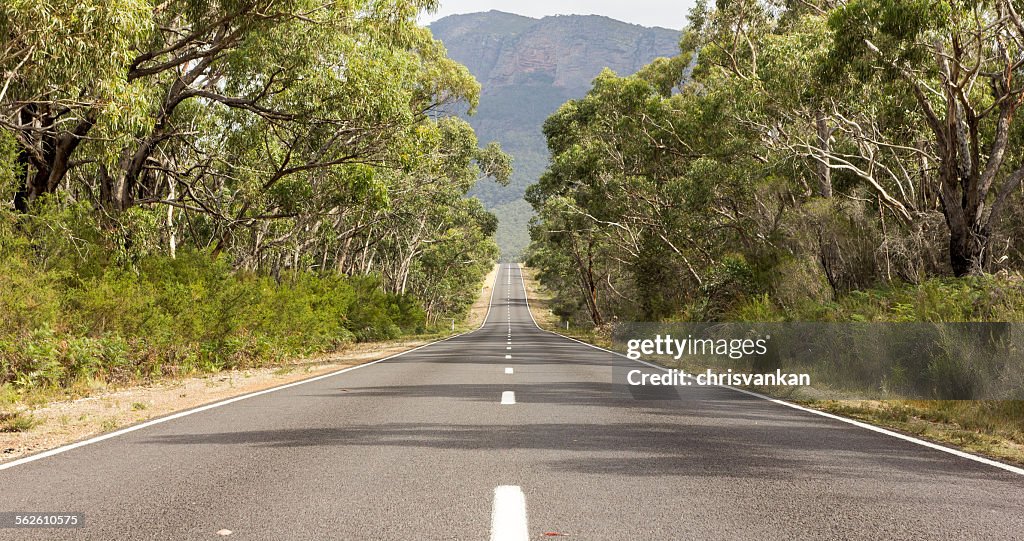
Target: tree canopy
284, 134
795, 149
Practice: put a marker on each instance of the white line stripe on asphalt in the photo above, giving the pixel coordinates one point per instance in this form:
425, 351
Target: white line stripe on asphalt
508, 398
186, 413
508, 515
508, 356
873, 428
509, 371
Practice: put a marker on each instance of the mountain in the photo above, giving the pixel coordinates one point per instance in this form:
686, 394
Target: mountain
528, 68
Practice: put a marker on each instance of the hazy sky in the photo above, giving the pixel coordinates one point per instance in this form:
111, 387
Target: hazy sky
666, 13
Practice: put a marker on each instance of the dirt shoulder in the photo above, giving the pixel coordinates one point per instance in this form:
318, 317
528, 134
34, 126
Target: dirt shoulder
42, 425
991, 428
539, 298
57, 423
478, 313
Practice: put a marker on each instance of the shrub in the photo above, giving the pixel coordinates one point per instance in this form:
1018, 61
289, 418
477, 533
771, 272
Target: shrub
70, 312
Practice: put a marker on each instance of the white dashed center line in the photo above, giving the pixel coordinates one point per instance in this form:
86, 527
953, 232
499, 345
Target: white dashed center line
508, 515
508, 398
509, 370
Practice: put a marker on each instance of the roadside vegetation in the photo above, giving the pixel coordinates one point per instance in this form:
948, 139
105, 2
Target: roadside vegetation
990, 427
815, 160
853, 161
193, 186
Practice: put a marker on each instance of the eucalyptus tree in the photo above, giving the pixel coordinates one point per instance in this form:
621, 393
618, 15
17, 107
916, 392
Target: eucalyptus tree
420, 202
65, 66
960, 65
811, 136
322, 84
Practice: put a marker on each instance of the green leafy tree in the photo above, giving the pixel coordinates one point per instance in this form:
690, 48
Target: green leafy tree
960, 64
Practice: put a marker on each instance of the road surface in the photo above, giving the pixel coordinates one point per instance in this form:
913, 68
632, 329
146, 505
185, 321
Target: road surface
445, 443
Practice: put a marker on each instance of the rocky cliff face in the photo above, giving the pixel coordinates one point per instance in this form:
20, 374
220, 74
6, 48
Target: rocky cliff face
568, 51
528, 68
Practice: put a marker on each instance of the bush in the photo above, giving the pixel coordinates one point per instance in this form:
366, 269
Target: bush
979, 298
70, 312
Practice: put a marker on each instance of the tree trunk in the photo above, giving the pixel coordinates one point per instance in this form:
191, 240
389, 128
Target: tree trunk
968, 237
588, 284
44, 172
24, 195
824, 169
968, 250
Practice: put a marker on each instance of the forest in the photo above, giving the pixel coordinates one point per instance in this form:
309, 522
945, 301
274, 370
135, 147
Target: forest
194, 185
799, 160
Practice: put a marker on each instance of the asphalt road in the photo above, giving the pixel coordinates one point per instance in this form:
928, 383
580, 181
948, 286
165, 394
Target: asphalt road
416, 448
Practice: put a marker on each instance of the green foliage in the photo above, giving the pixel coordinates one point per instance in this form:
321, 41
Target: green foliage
821, 151
9, 170
987, 298
518, 97
17, 422
86, 319
207, 184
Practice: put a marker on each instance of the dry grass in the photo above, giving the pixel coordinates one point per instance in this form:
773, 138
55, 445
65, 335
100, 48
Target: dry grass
17, 422
991, 428
540, 306
478, 313
37, 424
41, 419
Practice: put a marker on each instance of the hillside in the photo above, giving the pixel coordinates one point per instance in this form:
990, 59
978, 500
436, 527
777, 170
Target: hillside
528, 68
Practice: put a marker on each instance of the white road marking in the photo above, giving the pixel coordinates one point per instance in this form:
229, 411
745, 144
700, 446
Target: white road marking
509, 370
873, 428
508, 347
180, 414
508, 356
186, 413
508, 398
508, 515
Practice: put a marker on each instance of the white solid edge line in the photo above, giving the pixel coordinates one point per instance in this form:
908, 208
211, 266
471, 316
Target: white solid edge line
508, 515
866, 426
186, 413
509, 371
508, 398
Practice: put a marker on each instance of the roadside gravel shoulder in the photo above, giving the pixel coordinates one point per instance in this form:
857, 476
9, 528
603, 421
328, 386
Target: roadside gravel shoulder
61, 422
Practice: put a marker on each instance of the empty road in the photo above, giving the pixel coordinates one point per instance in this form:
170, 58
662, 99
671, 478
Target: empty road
510, 433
